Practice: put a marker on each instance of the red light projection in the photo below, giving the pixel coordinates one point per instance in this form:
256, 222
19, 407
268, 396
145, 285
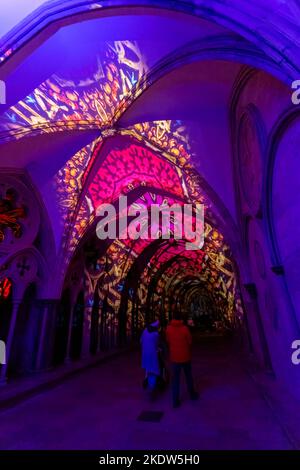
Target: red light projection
126, 169
5, 288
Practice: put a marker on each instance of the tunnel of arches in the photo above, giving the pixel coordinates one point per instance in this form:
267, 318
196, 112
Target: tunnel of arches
128, 282
191, 105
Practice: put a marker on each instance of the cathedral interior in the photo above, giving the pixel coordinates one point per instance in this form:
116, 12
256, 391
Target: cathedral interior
163, 102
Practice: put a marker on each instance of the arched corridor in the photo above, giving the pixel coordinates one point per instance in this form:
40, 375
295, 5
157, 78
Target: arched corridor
148, 171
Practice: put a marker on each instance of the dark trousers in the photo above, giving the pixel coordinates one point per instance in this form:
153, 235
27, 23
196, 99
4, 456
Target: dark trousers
176, 372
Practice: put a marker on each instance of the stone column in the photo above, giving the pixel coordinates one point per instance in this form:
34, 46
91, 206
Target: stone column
86, 335
9, 341
48, 311
253, 306
68, 352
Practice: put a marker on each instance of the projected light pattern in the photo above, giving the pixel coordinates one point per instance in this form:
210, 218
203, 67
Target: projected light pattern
212, 266
119, 172
155, 155
122, 171
59, 104
154, 275
129, 168
68, 182
110, 279
168, 136
68, 104
5, 288
113, 267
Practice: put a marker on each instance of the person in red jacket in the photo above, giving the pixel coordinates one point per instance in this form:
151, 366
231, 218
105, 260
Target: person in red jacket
179, 340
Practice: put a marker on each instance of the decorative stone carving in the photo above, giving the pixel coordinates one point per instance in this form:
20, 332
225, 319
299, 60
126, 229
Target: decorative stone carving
10, 214
25, 267
19, 215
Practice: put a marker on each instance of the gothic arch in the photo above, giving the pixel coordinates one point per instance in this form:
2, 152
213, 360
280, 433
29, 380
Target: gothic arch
51, 16
281, 127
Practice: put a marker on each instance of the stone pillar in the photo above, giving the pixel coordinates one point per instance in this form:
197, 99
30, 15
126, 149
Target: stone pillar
48, 311
253, 306
86, 335
68, 352
9, 341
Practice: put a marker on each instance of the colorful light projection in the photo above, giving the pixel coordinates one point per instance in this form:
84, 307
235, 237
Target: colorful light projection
213, 267
121, 255
113, 267
216, 272
123, 170
167, 134
108, 184
10, 214
120, 172
5, 288
77, 171
69, 181
168, 137
59, 103
150, 287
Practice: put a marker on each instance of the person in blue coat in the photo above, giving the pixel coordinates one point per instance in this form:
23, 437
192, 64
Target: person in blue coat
150, 342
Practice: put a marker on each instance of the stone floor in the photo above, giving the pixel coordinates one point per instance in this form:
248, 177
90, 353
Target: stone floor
99, 409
